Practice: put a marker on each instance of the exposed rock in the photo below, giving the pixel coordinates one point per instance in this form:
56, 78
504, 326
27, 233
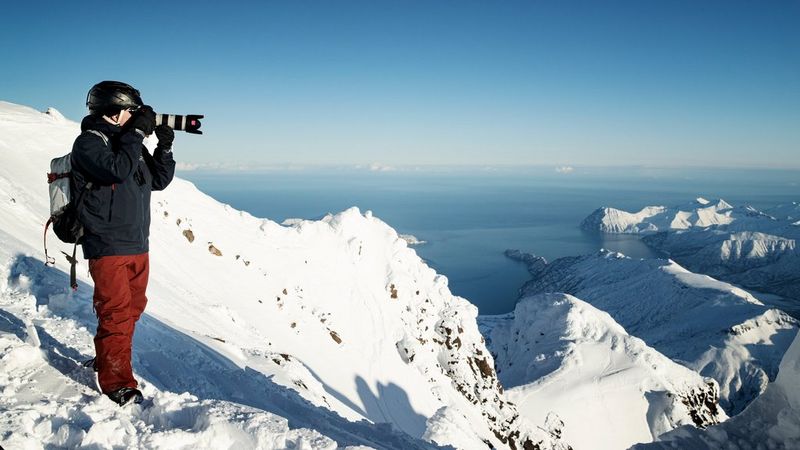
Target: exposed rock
189, 235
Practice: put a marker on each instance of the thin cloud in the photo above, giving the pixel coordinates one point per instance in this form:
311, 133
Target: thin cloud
378, 167
565, 169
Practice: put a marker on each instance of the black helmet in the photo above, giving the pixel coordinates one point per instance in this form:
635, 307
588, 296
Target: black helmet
109, 97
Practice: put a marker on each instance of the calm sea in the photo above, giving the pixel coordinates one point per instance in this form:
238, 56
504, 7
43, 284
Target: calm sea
470, 217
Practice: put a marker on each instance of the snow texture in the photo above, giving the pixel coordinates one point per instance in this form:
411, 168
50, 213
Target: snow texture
312, 334
559, 356
710, 326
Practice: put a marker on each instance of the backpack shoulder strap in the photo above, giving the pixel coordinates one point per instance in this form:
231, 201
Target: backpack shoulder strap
100, 134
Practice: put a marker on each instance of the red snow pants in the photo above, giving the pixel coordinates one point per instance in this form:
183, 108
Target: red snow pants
119, 299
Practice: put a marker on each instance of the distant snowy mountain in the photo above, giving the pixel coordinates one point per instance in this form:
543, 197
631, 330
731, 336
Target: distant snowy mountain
699, 213
772, 421
741, 245
556, 354
712, 327
313, 334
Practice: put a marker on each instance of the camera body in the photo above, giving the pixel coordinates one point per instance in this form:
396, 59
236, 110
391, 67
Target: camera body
189, 123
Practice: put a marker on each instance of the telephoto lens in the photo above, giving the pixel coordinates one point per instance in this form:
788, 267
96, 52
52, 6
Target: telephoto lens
189, 123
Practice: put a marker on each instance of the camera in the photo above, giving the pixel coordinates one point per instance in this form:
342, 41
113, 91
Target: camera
189, 123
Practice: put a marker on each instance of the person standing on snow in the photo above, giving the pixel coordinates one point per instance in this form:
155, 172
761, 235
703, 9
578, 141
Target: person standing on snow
117, 172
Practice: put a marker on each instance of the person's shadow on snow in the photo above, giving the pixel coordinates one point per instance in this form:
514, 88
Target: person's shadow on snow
390, 405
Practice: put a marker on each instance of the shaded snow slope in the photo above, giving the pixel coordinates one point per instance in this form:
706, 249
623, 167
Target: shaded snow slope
772, 421
558, 354
710, 326
742, 245
336, 315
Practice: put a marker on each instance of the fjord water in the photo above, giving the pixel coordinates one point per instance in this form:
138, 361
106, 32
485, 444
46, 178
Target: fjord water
468, 217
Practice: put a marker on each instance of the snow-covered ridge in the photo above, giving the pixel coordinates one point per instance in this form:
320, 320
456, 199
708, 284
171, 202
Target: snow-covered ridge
699, 213
318, 322
710, 326
739, 244
559, 355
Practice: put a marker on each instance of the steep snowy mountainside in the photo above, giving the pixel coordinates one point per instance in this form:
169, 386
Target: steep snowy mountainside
710, 326
338, 313
556, 354
754, 249
772, 421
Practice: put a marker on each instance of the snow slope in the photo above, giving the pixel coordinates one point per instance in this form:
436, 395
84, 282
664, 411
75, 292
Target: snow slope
742, 245
712, 327
772, 421
559, 355
302, 320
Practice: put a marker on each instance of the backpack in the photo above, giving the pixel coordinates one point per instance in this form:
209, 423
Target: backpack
64, 214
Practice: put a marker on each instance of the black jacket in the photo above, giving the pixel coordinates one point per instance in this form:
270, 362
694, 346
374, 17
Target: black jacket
115, 211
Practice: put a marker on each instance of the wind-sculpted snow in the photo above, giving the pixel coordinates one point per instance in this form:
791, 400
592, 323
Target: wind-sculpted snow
772, 421
754, 249
334, 325
710, 326
558, 354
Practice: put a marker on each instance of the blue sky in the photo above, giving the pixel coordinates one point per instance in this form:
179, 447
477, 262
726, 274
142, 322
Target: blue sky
661, 83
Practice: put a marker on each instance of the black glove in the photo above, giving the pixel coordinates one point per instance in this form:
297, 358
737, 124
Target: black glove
144, 119
165, 137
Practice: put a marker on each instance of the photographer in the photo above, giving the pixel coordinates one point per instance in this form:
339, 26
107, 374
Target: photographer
116, 173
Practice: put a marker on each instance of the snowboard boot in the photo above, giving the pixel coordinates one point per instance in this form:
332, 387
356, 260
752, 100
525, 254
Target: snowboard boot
123, 396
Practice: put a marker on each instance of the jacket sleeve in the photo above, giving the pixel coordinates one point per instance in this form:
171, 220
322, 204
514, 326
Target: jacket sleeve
91, 155
162, 167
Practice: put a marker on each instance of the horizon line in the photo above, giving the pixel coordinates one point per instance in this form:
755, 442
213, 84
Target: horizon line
562, 169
